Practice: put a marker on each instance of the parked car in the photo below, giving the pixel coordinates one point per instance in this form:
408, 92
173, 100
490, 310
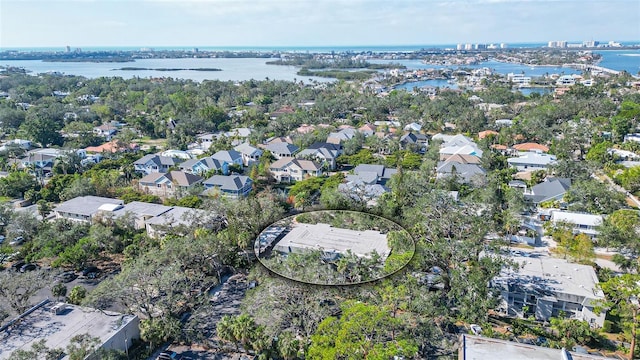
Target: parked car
1, 239
169, 355
90, 272
17, 265
66, 276
16, 241
28, 267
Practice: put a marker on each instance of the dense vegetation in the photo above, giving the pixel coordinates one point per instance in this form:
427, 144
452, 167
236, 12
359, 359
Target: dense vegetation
419, 309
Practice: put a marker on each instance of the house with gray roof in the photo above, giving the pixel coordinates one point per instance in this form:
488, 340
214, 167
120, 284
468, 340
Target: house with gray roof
465, 173
228, 157
290, 169
176, 220
325, 154
201, 166
140, 211
532, 161
549, 190
84, 208
250, 154
342, 135
414, 141
371, 174
281, 150
232, 186
154, 163
171, 184
545, 287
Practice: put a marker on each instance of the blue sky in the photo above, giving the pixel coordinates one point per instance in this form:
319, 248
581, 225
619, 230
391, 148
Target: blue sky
78, 23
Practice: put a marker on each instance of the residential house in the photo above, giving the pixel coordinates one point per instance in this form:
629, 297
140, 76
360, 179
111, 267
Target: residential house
107, 131
413, 127
24, 144
532, 161
250, 154
582, 223
531, 146
233, 186
178, 218
281, 150
457, 144
112, 146
289, 169
367, 183
551, 189
487, 133
228, 158
140, 211
84, 208
282, 111
342, 135
414, 141
367, 129
171, 184
325, 154
204, 141
371, 174
461, 158
155, 163
201, 166
503, 122
465, 173
178, 154
546, 287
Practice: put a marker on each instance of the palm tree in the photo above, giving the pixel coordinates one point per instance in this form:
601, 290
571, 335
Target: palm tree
288, 346
243, 329
224, 328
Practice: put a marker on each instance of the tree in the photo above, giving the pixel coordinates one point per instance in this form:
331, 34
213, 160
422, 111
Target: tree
572, 331
77, 294
622, 294
59, 290
224, 329
362, 331
81, 346
159, 330
23, 224
17, 183
17, 289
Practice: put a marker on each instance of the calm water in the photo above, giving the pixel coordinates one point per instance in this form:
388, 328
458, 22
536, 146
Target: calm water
628, 60
499, 67
251, 68
232, 69
409, 86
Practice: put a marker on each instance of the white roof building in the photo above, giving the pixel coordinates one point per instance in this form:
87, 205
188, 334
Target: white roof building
305, 237
583, 223
58, 323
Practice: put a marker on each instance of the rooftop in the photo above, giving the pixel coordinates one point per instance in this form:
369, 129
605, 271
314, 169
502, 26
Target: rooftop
59, 329
553, 275
327, 237
85, 205
483, 348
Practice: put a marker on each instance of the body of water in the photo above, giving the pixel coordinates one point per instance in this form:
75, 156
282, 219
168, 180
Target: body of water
627, 60
409, 86
232, 69
496, 66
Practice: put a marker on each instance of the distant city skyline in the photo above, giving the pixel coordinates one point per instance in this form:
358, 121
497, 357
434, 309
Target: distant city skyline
263, 23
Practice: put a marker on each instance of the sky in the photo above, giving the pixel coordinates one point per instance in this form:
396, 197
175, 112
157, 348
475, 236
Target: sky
220, 23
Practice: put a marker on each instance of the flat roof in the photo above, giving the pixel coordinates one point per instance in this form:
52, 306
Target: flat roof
556, 275
85, 205
58, 330
142, 209
483, 348
328, 238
